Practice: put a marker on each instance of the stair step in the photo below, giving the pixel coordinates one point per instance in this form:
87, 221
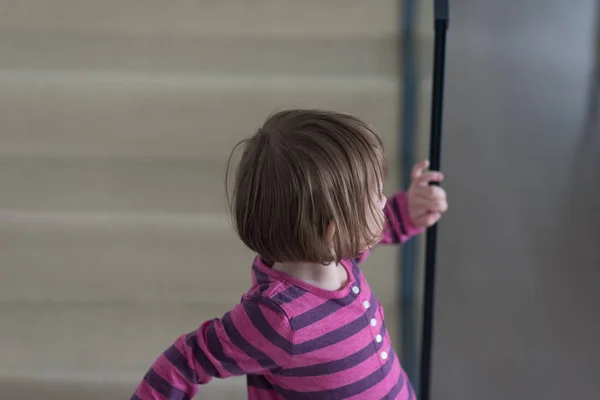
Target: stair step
97, 257
65, 113
208, 54
118, 185
309, 18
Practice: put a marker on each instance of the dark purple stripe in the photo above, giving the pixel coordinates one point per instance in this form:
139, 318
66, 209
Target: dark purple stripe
288, 295
207, 366
394, 236
241, 343
356, 273
345, 391
340, 334
216, 350
261, 277
392, 394
321, 311
259, 382
258, 298
338, 365
134, 397
179, 361
411, 391
398, 214
260, 322
163, 387
263, 287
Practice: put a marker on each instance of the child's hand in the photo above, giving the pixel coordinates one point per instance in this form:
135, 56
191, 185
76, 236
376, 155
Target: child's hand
426, 203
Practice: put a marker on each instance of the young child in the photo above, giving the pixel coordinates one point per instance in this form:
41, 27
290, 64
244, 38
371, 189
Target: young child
308, 200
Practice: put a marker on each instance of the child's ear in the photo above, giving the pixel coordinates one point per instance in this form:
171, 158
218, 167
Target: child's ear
329, 233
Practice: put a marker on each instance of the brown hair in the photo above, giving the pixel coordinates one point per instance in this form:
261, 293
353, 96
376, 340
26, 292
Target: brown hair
301, 171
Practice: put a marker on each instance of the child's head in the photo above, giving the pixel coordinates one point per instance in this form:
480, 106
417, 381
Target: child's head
308, 187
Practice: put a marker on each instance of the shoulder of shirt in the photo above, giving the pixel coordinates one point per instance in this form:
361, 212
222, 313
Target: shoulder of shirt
278, 296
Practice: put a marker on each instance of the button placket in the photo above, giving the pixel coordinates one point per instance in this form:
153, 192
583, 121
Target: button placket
378, 339
383, 355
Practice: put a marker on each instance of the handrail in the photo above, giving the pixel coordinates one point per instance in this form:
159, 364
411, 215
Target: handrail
439, 60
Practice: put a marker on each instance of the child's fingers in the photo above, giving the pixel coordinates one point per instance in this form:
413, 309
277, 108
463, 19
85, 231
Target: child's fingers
425, 178
418, 169
429, 205
433, 218
428, 219
437, 206
429, 192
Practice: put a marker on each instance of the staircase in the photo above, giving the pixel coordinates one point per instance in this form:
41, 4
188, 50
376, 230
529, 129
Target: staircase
116, 121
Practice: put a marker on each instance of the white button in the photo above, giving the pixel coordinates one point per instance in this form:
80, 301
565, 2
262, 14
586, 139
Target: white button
378, 338
366, 304
355, 290
373, 322
383, 355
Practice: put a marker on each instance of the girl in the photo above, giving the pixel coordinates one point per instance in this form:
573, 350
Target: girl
308, 200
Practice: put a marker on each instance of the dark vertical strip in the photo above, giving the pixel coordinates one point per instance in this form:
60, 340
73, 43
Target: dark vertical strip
437, 102
409, 101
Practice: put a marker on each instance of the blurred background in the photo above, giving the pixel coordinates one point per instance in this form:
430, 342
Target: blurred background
116, 121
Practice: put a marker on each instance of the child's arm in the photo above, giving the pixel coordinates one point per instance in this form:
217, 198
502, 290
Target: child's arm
254, 338
398, 227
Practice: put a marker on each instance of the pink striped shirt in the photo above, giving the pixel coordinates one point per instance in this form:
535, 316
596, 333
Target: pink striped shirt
293, 340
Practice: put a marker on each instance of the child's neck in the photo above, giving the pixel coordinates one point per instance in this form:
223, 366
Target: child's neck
329, 277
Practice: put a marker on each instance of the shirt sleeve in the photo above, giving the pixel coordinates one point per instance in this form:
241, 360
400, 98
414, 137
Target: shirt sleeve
253, 338
398, 227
